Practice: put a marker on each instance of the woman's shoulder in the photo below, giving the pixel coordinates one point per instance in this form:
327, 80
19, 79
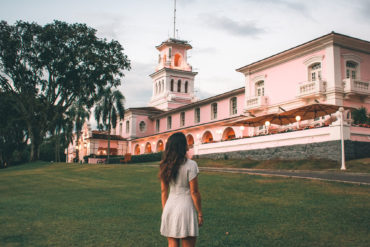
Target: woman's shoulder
191, 163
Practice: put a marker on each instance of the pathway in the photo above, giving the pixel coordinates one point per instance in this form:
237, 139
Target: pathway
338, 176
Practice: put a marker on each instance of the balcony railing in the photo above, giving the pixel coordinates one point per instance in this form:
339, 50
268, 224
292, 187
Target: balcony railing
353, 86
256, 102
311, 88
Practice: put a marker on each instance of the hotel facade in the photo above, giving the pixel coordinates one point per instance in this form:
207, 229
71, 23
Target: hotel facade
292, 105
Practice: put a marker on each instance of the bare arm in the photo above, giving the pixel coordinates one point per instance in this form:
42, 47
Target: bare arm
164, 193
195, 195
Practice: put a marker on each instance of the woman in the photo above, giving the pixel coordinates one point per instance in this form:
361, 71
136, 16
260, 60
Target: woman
180, 220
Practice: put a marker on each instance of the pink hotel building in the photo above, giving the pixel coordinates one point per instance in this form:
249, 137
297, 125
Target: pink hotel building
324, 73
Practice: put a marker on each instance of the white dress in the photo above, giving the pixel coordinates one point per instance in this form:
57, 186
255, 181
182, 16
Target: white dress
179, 216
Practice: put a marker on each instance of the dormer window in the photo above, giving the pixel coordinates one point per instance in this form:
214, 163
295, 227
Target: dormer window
315, 72
260, 88
351, 69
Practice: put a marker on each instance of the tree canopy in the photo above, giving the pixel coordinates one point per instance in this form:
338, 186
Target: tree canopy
49, 68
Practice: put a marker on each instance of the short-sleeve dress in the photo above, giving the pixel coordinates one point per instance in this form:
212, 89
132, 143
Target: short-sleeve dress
179, 217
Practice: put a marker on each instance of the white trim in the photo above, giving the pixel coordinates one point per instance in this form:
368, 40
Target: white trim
258, 78
350, 56
314, 59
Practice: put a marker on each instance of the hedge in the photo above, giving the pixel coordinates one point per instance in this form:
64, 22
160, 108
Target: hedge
146, 157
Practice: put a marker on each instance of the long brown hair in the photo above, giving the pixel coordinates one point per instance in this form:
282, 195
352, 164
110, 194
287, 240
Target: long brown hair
173, 157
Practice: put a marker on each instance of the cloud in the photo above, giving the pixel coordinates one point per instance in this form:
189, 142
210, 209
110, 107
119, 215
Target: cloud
365, 8
137, 85
243, 28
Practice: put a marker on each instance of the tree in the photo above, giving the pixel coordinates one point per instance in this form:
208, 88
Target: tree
51, 67
360, 115
12, 129
110, 105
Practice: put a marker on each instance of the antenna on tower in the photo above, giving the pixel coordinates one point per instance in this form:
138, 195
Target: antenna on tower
174, 21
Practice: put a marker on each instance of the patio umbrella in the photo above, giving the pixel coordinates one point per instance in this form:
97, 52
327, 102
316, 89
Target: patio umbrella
273, 118
311, 111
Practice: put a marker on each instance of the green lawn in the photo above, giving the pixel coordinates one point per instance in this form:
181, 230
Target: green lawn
45, 204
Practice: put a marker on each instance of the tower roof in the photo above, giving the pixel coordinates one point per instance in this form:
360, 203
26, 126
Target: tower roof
177, 42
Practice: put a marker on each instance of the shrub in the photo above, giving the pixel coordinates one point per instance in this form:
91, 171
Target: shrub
146, 157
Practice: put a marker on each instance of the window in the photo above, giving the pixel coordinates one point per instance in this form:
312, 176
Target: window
169, 52
159, 87
197, 115
351, 70
157, 125
127, 127
315, 72
120, 129
162, 85
179, 86
172, 82
142, 126
169, 122
214, 111
233, 106
182, 119
186, 87
260, 88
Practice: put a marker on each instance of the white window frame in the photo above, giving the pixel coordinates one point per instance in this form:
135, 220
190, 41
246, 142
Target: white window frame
213, 112
233, 109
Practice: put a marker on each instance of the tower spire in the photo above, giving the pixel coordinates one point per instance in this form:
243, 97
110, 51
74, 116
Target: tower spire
174, 20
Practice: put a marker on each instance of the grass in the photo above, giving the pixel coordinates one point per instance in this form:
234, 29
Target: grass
359, 165
43, 204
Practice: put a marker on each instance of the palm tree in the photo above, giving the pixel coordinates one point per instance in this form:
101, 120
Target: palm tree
110, 104
360, 115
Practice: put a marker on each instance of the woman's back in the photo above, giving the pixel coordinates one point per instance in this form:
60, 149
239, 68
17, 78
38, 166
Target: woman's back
186, 173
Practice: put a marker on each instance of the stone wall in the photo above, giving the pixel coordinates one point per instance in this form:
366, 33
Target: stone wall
322, 150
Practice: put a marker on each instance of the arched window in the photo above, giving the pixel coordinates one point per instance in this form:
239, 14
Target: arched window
207, 137
177, 61
137, 149
127, 127
260, 88
233, 106
148, 148
228, 134
214, 111
172, 82
186, 87
190, 140
314, 72
160, 146
179, 86
142, 126
351, 69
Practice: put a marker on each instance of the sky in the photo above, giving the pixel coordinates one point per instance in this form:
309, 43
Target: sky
225, 34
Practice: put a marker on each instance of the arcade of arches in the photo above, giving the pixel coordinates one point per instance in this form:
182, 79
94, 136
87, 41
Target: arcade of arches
228, 134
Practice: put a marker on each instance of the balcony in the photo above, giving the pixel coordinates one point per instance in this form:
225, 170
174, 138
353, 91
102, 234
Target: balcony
353, 86
308, 89
256, 102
